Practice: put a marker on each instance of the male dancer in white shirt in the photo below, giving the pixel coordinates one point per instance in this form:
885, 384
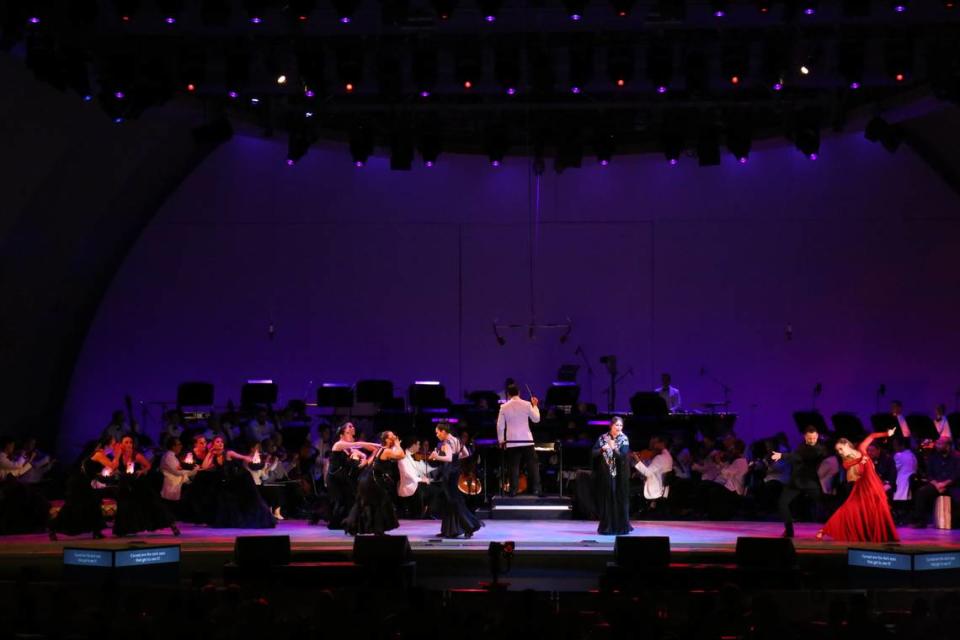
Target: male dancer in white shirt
516, 439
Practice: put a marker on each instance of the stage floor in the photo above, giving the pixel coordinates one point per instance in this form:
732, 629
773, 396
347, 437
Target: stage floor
559, 536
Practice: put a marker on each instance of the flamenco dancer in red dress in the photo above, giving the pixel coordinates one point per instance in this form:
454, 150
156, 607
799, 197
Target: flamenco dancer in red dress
865, 515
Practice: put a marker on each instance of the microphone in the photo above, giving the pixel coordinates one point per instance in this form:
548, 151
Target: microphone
817, 389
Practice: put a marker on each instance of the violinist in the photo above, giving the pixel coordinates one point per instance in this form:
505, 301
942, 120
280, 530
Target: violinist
415, 481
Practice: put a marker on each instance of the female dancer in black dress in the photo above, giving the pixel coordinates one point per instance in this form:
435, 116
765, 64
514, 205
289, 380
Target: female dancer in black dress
346, 461
373, 511
457, 518
139, 506
196, 502
93, 480
611, 472
236, 501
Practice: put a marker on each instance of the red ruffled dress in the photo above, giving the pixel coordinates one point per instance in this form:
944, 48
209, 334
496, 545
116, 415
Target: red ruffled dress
865, 515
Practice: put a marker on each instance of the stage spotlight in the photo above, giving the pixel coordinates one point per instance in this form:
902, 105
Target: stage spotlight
468, 64
495, 144
490, 9
604, 144
126, 10
444, 8
898, 58
300, 10
775, 62
807, 133
349, 67
708, 145
740, 139
888, 135
660, 66
401, 150
431, 145
856, 8
672, 141
575, 9
424, 70
310, 64
809, 7
623, 7
763, 6
215, 13
900, 6
718, 8
620, 64
580, 68
256, 10
850, 57
170, 10
345, 10
361, 145
237, 70
506, 68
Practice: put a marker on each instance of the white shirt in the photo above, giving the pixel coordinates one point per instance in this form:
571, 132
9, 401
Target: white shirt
943, 428
732, 475
906, 463
174, 476
652, 473
38, 468
411, 473
513, 423
670, 395
9, 467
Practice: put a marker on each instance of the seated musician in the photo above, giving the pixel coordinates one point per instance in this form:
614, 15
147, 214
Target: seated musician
653, 467
415, 481
669, 393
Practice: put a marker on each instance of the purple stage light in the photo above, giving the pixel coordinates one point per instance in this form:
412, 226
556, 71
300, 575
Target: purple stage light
494, 163
170, 20
854, 85
809, 11
424, 94
576, 17
719, 13
428, 163
603, 163
291, 162
511, 91
358, 163
742, 159
813, 156
345, 19
119, 95
777, 86
256, 20
491, 18
33, 20
309, 93
662, 89
87, 98
233, 95
674, 162
900, 8
118, 120
575, 90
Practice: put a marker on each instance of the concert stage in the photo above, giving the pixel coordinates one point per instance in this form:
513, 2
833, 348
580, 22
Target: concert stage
565, 555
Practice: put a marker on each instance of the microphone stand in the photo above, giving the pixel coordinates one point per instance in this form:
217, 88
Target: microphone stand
586, 361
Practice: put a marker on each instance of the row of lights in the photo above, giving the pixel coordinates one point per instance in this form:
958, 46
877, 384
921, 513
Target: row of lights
489, 9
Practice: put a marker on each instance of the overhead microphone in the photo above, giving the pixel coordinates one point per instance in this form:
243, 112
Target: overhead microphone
882, 391
817, 389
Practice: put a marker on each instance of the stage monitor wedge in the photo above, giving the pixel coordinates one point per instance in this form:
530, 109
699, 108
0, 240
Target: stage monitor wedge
642, 553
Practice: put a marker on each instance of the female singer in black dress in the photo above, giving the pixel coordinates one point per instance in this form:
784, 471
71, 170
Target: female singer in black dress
237, 503
457, 518
139, 506
611, 469
373, 511
93, 480
346, 461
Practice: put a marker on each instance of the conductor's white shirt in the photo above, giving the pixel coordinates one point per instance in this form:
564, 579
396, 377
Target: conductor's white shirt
513, 423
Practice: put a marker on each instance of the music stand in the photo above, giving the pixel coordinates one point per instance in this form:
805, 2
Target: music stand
648, 404
374, 391
805, 418
257, 394
922, 427
848, 425
428, 395
477, 398
194, 394
563, 394
334, 396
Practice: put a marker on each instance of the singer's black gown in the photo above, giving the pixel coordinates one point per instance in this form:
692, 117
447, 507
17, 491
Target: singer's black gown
612, 486
374, 511
457, 519
81, 511
341, 481
237, 503
139, 506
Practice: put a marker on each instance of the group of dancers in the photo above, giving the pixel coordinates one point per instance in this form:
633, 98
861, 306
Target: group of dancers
864, 516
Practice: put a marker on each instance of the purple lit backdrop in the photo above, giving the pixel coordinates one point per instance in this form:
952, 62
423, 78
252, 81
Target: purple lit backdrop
373, 273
